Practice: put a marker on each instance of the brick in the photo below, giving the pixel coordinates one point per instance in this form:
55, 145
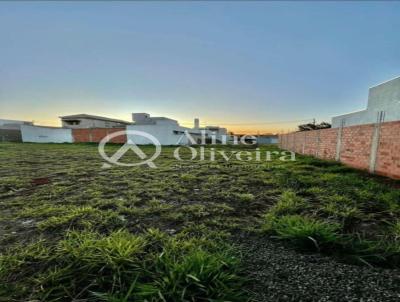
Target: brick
95, 135
355, 147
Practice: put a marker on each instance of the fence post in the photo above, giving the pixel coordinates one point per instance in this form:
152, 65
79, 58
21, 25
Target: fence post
90, 135
287, 141
375, 141
339, 141
293, 142
318, 140
304, 141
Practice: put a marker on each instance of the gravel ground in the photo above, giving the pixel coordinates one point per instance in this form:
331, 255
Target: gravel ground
282, 274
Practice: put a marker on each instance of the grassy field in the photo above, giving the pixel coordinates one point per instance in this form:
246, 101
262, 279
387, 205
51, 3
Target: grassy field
71, 230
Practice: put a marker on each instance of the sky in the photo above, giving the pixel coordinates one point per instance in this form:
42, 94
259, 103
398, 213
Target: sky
250, 66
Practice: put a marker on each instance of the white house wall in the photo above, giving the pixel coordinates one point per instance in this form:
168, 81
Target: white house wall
384, 97
351, 119
37, 134
163, 132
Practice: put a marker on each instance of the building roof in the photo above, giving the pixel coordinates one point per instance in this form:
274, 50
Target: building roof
153, 120
163, 118
93, 117
4, 122
386, 82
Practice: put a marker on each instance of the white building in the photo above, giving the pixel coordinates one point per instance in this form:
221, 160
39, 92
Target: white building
169, 132
13, 123
44, 134
265, 139
10, 130
80, 121
383, 100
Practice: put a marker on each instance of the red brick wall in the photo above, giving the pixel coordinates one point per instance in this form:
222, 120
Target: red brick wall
327, 144
310, 142
355, 148
388, 159
95, 135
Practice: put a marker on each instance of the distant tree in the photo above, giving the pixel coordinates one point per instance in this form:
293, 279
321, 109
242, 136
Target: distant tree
312, 126
324, 125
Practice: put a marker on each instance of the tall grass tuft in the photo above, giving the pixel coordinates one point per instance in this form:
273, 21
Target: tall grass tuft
305, 232
125, 267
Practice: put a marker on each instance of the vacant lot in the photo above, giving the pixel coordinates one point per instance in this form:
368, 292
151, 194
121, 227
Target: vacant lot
304, 230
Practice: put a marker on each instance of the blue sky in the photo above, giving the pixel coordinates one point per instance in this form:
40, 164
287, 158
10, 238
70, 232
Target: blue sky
224, 62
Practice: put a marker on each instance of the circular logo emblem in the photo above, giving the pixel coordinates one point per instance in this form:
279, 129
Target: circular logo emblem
131, 136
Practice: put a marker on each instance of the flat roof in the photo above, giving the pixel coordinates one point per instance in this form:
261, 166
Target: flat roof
93, 117
386, 82
4, 121
162, 118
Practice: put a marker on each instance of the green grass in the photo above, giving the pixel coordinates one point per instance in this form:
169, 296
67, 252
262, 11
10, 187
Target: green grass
124, 267
84, 233
305, 232
245, 197
288, 203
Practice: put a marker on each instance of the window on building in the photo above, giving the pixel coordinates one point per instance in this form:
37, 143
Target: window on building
73, 122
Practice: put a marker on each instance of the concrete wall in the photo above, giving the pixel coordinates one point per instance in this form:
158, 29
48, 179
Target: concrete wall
38, 134
352, 119
218, 132
383, 97
164, 131
373, 147
10, 134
